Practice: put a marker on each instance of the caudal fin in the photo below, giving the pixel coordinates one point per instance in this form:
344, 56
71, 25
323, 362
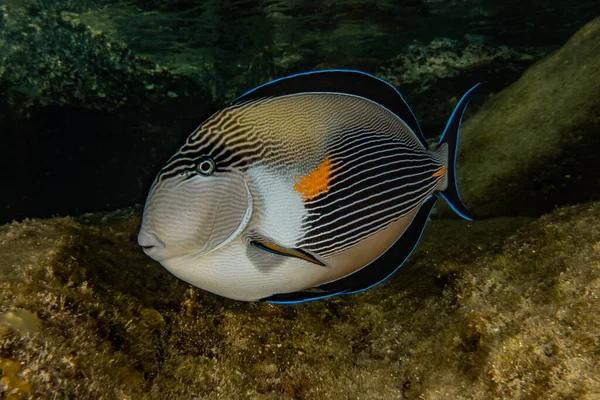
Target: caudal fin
450, 137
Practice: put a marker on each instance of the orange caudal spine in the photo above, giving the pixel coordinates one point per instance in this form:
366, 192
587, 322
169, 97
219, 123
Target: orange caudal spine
439, 172
316, 182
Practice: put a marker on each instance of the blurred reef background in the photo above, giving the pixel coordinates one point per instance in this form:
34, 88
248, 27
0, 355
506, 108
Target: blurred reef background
96, 95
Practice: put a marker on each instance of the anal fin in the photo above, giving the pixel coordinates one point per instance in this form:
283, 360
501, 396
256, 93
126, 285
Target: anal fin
372, 274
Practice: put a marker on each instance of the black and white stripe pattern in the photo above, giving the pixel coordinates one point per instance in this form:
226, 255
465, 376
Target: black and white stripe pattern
377, 180
381, 170
223, 138
247, 134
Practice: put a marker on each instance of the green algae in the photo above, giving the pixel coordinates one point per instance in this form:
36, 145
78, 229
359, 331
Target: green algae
21, 320
80, 67
498, 308
12, 386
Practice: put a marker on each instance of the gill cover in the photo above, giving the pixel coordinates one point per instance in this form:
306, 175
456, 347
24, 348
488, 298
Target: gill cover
197, 214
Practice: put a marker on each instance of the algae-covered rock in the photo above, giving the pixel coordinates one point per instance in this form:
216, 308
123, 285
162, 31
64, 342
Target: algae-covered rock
12, 387
81, 114
535, 144
51, 58
96, 95
504, 308
434, 75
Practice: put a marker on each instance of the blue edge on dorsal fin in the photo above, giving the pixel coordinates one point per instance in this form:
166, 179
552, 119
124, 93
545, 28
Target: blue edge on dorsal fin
345, 81
394, 257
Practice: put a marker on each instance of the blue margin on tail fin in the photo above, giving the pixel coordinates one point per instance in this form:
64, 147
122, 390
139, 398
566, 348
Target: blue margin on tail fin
450, 136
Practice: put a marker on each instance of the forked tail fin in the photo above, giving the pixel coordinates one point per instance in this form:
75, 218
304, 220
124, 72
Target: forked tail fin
450, 137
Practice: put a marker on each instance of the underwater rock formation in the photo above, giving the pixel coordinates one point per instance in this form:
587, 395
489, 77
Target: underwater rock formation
434, 75
498, 308
81, 114
79, 67
98, 94
535, 145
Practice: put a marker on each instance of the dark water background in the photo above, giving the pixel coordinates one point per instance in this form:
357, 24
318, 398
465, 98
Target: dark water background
237, 35
96, 95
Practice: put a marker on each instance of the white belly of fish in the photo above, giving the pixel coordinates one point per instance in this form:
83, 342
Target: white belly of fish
231, 273
243, 272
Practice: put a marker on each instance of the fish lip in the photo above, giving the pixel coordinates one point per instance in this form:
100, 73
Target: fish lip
151, 252
144, 237
150, 243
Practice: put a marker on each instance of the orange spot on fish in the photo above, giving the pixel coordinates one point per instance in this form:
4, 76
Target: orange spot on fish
316, 182
439, 172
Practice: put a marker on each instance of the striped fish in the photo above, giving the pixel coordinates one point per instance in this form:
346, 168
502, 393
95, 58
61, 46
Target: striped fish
307, 187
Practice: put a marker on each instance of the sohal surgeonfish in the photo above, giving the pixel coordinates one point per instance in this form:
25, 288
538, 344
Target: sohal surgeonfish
309, 186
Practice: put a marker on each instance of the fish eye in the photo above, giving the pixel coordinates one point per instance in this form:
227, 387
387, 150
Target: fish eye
206, 166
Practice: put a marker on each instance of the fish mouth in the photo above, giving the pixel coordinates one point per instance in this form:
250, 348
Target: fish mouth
149, 241
238, 230
150, 244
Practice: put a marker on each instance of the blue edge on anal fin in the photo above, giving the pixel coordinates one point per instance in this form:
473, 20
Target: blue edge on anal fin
375, 272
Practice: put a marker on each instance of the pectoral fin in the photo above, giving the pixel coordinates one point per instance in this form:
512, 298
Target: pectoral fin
283, 251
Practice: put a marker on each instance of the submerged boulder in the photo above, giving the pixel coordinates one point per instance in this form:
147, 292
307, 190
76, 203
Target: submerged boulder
434, 75
534, 145
81, 114
506, 307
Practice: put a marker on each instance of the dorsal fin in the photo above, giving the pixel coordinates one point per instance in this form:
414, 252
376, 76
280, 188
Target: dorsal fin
356, 83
